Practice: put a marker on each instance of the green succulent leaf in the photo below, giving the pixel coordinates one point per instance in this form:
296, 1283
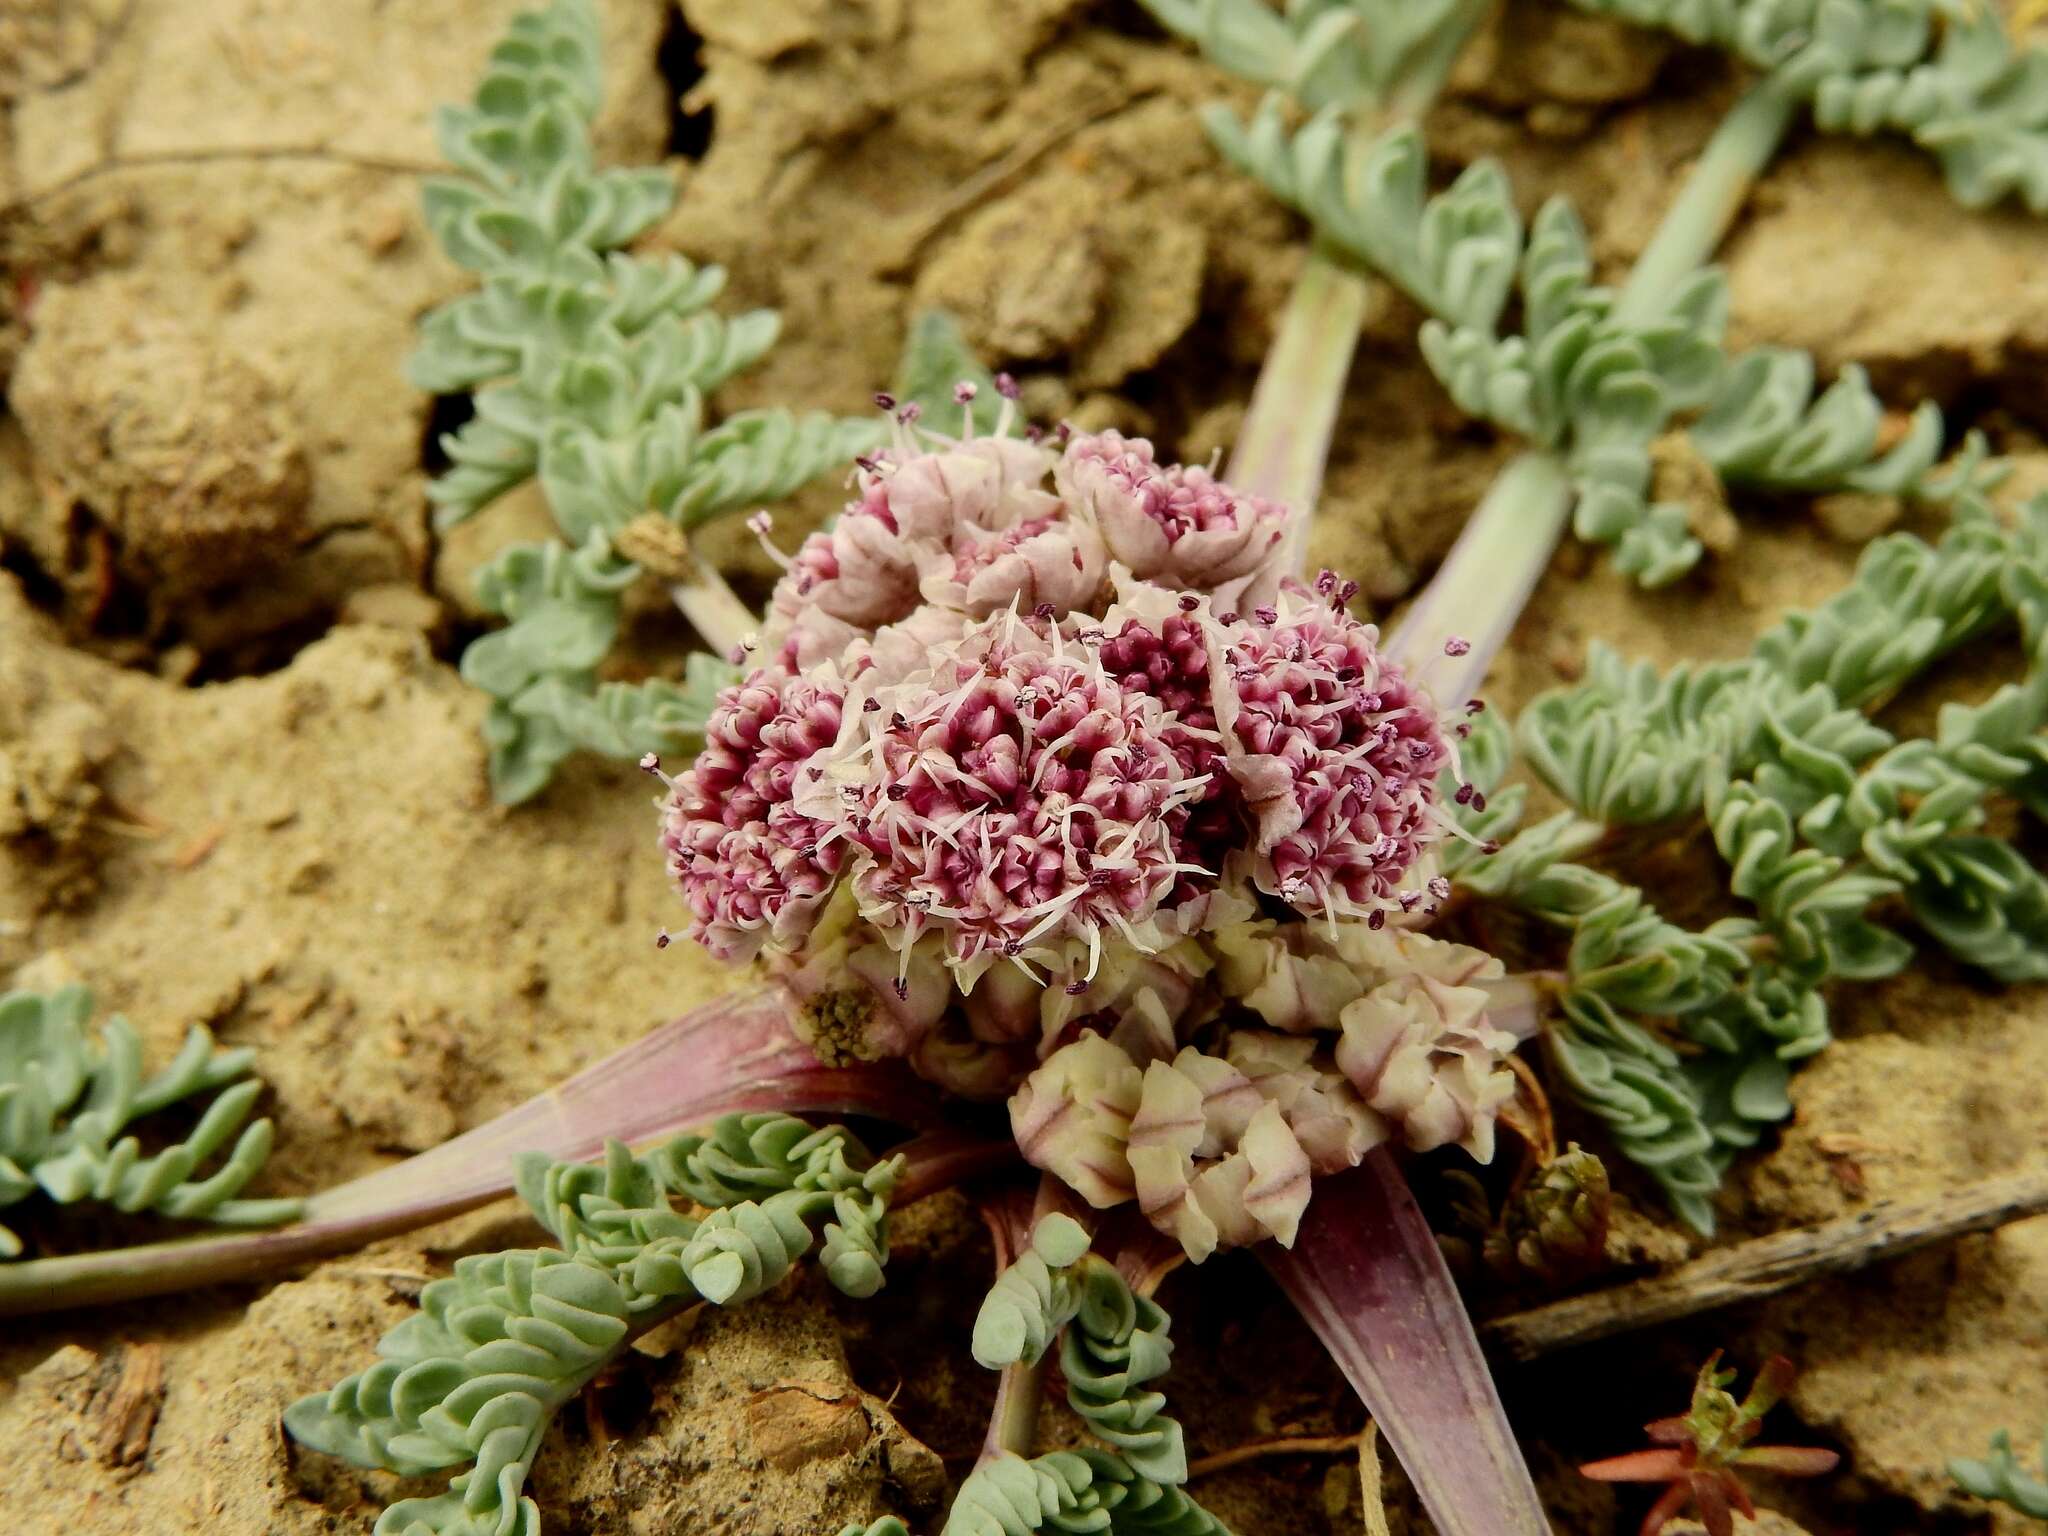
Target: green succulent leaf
1823, 818
67, 1104
539, 670
1636, 1084
1764, 428
1113, 1343
474, 1378
1949, 77
1454, 253
1033, 1298
590, 369
1349, 53
2000, 1476
937, 360
757, 456
1986, 905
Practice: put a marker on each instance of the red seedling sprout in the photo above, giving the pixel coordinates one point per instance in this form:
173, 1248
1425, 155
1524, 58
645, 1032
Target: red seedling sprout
1697, 1454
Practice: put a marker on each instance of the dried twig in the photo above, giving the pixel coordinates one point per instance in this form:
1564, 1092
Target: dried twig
1371, 1485
1285, 1445
998, 175
172, 158
1765, 1266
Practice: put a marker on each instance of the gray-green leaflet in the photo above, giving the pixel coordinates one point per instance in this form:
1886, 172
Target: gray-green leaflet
1946, 73
590, 370
1829, 824
67, 1106
1112, 1343
499, 1346
1590, 378
2000, 1476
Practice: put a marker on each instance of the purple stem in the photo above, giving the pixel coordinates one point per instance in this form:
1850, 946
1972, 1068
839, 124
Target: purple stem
734, 1054
944, 1158
1366, 1273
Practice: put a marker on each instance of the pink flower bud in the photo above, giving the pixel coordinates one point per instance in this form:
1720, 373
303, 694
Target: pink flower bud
949, 514
991, 483
1337, 755
751, 869
1333, 1124
1285, 975
1042, 560
1176, 525
1214, 1164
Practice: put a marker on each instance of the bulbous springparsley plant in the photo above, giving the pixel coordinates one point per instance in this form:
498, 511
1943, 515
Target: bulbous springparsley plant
1046, 783
1050, 779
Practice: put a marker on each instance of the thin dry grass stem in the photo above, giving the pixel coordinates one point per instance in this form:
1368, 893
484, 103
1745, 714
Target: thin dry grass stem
1282, 1445
1765, 1266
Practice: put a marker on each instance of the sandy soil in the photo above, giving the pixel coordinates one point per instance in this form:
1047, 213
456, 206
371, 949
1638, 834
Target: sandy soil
261, 805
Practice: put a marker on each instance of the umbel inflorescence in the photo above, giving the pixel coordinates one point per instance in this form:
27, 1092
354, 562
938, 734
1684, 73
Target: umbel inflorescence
1050, 779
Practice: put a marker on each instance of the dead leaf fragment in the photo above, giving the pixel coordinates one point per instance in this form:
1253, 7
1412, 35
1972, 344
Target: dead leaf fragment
797, 1422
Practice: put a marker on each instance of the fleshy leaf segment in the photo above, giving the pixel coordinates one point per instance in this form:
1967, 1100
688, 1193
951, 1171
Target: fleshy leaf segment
1830, 825
589, 370
1112, 1343
1593, 378
1948, 75
2000, 1476
67, 1106
500, 1345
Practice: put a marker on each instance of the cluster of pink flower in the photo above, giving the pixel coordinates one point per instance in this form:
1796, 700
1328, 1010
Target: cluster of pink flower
1020, 766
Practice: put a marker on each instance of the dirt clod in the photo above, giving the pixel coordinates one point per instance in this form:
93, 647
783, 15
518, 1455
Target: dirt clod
177, 445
